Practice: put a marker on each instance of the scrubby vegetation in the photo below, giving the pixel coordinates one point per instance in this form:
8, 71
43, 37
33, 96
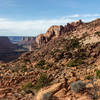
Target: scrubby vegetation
40, 64
27, 88
75, 62
42, 81
24, 68
98, 73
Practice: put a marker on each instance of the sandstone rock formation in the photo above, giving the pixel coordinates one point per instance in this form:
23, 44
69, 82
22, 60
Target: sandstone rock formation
55, 31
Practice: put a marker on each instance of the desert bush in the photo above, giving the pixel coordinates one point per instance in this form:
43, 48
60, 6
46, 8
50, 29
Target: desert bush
42, 81
24, 68
98, 73
78, 86
27, 88
74, 62
40, 64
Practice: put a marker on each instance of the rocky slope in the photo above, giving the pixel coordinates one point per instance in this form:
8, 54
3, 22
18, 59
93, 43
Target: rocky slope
68, 56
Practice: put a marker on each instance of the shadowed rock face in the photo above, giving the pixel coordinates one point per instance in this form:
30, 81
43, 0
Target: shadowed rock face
5, 44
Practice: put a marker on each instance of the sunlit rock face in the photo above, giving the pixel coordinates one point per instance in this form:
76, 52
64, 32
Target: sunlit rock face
53, 31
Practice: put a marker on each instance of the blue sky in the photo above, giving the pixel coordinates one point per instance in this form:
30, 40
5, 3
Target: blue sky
31, 17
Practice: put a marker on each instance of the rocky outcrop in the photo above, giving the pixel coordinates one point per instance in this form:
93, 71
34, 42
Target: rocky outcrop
55, 31
40, 39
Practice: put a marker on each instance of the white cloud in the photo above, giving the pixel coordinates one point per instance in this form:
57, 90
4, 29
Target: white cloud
83, 16
34, 27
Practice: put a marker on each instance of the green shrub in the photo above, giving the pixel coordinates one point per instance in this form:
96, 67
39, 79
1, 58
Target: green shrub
98, 73
42, 81
75, 62
24, 68
27, 87
40, 64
